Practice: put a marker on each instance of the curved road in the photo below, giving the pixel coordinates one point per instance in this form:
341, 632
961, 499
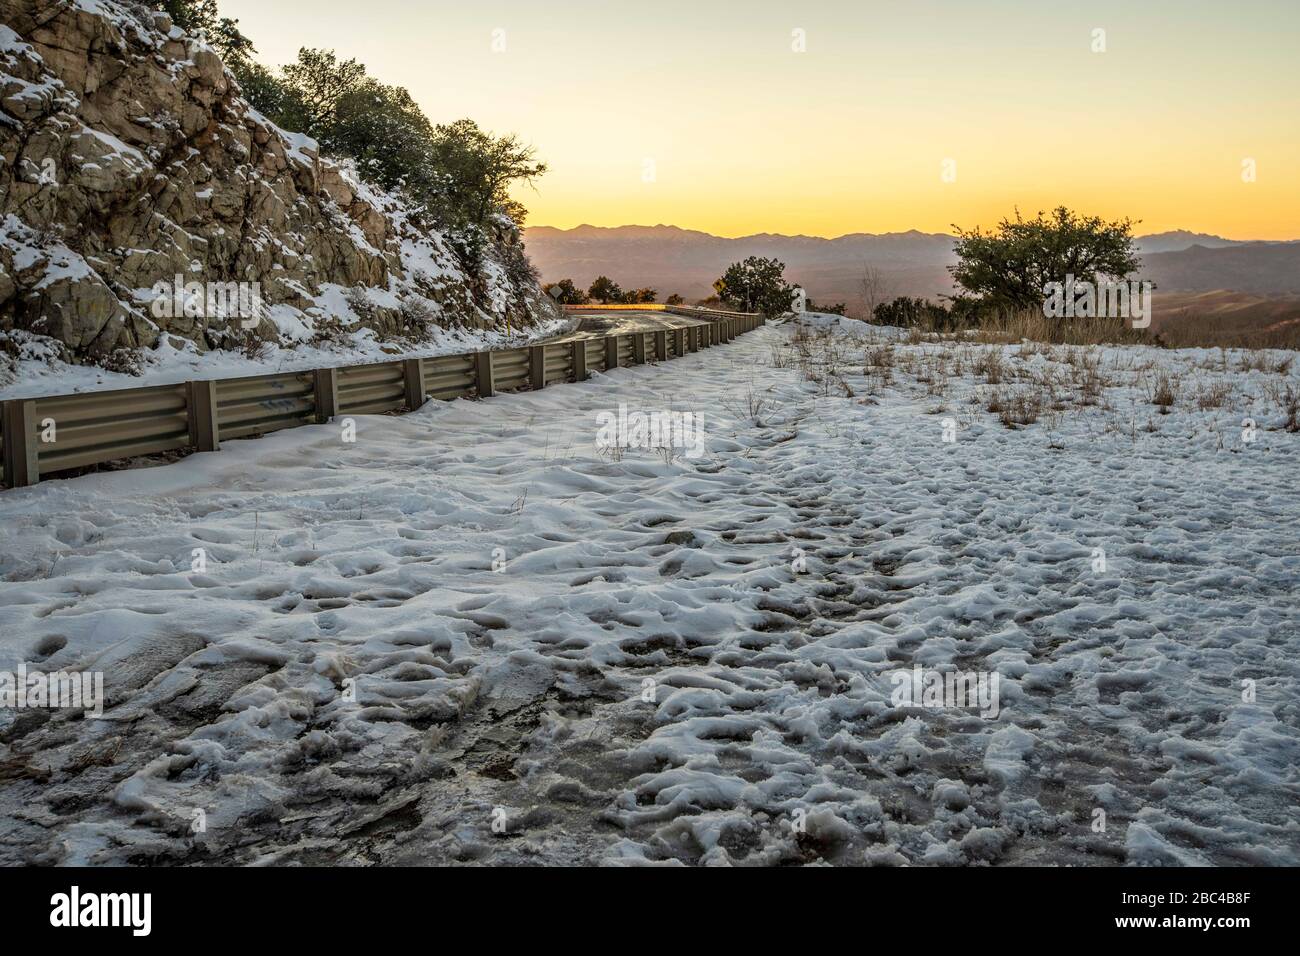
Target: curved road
620, 321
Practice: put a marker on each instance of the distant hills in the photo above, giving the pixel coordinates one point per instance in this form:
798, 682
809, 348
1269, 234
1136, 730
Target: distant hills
687, 262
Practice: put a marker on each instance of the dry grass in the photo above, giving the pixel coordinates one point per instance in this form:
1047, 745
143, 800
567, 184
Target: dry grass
1184, 331
1018, 407
1219, 331
1212, 395
1087, 377
990, 365
1291, 405
1165, 392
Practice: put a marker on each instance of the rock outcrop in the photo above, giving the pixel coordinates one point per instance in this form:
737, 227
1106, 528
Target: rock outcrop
130, 163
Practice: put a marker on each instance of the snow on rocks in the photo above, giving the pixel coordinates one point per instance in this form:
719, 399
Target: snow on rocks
472, 635
131, 158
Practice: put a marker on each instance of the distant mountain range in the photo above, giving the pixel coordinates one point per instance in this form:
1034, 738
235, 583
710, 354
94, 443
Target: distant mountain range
684, 261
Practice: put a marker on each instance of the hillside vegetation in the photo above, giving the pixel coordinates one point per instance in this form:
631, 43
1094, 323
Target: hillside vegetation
133, 161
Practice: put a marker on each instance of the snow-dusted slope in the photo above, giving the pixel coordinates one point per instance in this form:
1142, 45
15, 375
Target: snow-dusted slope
128, 158
631, 657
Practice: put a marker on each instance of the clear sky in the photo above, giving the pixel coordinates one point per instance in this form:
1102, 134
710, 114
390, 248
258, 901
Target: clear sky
701, 114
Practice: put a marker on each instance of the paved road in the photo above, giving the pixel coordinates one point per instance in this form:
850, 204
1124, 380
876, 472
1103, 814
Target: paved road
620, 321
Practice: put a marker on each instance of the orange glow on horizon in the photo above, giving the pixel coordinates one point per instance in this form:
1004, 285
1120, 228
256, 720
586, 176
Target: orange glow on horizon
706, 116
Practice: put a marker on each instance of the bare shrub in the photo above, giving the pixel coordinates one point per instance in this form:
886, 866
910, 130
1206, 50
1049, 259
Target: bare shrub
1165, 392
1213, 395
1087, 376
1291, 405
752, 407
881, 356
418, 318
1021, 407
990, 365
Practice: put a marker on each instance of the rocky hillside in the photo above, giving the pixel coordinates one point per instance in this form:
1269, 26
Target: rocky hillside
129, 159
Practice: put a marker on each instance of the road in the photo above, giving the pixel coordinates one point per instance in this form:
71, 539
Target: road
620, 321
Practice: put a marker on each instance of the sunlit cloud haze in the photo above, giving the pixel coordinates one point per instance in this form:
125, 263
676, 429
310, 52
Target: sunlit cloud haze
746, 135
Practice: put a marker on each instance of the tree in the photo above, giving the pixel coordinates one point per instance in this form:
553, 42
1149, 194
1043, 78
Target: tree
458, 175
321, 83
756, 285
480, 169
605, 290
1009, 266
565, 292
874, 287
383, 129
906, 312
639, 296
201, 18
674, 299
270, 96
837, 308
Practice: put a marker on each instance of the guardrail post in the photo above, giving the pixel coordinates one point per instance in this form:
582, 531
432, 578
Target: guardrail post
202, 407
611, 352
638, 349
413, 376
537, 367
327, 394
484, 379
579, 360
661, 345
679, 342
20, 462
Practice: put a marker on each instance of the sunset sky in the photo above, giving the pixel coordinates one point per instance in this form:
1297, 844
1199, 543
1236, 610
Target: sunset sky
741, 134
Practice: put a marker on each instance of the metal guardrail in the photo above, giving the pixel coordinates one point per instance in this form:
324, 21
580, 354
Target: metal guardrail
52, 434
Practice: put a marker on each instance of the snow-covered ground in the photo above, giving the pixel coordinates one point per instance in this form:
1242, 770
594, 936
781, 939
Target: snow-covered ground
565, 654
38, 370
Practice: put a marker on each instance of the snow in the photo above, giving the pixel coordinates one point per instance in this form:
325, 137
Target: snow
129, 155
302, 148
621, 659
12, 43
39, 373
433, 285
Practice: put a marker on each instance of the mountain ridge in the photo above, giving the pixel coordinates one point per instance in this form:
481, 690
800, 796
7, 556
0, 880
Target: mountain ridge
675, 260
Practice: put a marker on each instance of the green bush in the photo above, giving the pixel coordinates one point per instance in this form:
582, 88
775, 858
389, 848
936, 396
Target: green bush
605, 290
1008, 267
756, 285
457, 175
565, 292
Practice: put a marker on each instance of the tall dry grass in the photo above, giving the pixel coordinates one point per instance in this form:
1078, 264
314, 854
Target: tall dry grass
1183, 332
